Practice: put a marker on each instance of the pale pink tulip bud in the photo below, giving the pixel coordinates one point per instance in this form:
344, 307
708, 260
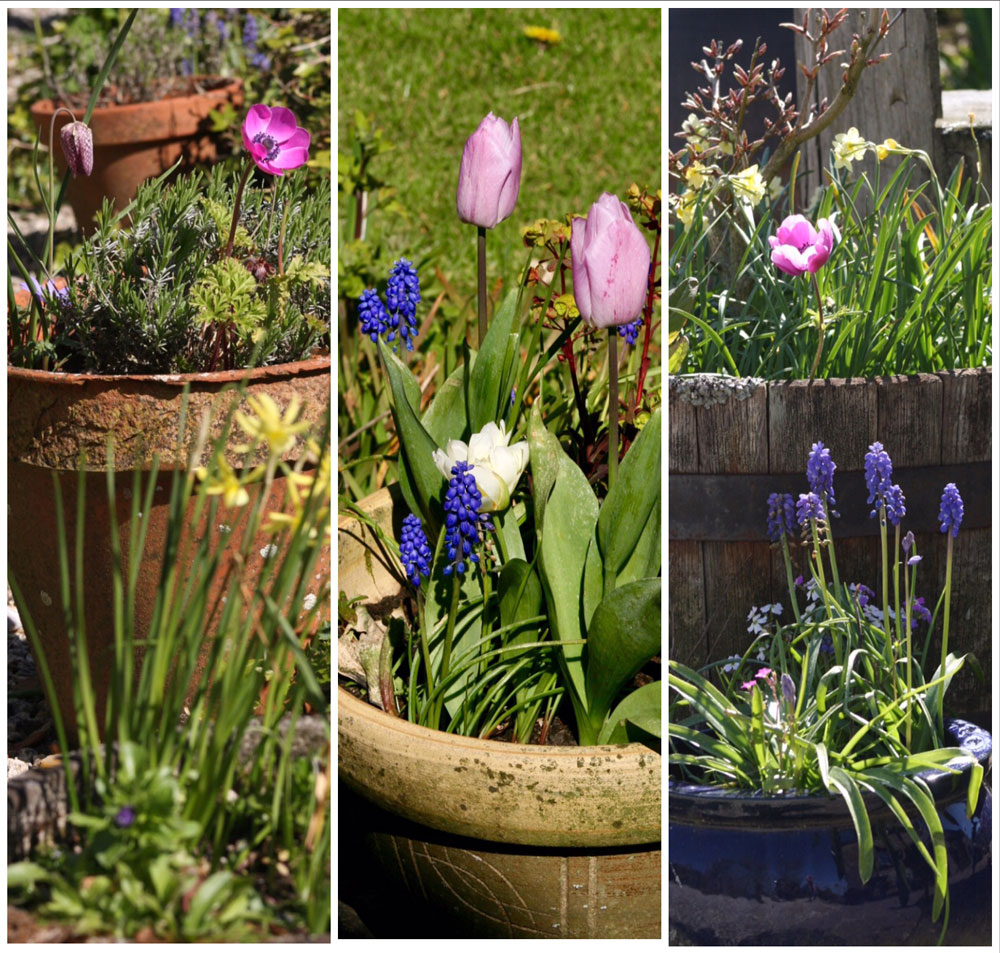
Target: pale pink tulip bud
610, 264
489, 178
78, 147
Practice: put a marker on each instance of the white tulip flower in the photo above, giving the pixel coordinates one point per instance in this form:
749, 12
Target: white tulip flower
496, 467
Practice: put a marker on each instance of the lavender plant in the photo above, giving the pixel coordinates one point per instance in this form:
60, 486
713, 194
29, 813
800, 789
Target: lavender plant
844, 702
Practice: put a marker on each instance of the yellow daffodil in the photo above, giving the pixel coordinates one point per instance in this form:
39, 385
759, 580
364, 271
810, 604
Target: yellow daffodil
697, 132
847, 148
884, 149
695, 175
268, 425
748, 185
684, 206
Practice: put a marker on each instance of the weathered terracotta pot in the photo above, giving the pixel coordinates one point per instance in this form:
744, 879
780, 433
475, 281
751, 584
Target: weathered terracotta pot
494, 839
139, 141
53, 418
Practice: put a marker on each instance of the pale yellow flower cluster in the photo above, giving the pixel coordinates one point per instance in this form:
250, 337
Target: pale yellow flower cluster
848, 147
748, 185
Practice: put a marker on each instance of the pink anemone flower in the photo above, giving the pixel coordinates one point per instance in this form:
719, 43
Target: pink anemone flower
275, 141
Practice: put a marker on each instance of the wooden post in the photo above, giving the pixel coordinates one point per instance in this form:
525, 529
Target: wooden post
898, 98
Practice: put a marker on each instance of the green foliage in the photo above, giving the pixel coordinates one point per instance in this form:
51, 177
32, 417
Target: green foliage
227, 294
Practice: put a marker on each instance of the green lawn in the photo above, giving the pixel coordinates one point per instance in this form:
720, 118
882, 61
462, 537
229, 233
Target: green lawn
588, 108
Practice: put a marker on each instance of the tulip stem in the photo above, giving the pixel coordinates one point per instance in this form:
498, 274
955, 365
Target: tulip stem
612, 406
819, 324
236, 209
482, 284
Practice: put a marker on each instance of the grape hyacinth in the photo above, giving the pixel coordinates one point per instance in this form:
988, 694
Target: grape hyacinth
952, 510
780, 516
372, 314
809, 507
819, 472
414, 551
463, 519
630, 331
402, 297
881, 490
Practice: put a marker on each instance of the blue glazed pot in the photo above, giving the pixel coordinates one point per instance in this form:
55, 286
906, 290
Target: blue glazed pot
750, 869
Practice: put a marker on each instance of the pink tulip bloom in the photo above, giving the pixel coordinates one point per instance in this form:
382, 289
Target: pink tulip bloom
78, 147
275, 141
489, 177
610, 261
799, 248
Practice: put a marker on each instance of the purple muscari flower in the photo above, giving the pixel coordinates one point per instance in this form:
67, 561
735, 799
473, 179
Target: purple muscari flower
826, 644
895, 504
176, 16
819, 472
809, 507
250, 33
260, 61
878, 471
513, 395
780, 516
630, 331
125, 817
402, 296
862, 594
414, 551
788, 688
952, 510
371, 311
462, 517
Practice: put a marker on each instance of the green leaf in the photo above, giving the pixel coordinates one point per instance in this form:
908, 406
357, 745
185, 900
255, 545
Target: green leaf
641, 708
630, 503
593, 580
27, 874
565, 516
416, 444
492, 377
521, 597
623, 635
845, 785
445, 418
208, 895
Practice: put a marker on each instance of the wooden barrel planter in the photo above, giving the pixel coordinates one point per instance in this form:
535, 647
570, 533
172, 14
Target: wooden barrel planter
733, 442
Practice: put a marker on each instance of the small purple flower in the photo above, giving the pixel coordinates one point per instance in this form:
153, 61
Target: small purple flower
40, 291
809, 507
462, 518
414, 551
630, 331
878, 471
952, 510
862, 594
250, 33
176, 16
125, 817
780, 516
819, 472
402, 296
895, 504
372, 314
921, 611
788, 688
908, 541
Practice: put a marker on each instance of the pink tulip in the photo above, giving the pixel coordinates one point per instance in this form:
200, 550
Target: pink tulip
275, 141
610, 264
799, 248
489, 178
78, 147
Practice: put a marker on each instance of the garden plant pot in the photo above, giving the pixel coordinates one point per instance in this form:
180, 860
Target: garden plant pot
139, 141
59, 424
734, 441
485, 838
746, 869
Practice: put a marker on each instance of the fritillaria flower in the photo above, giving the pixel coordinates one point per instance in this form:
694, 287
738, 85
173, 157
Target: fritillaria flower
78, 147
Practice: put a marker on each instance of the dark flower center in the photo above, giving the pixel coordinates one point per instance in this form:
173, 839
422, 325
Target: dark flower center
268, 142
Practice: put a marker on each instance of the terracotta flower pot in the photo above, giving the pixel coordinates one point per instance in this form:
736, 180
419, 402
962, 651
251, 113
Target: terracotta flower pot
53, 418
494, 839
139, 141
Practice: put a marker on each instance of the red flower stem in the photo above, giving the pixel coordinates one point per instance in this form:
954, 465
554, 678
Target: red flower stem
236, 210
648, 315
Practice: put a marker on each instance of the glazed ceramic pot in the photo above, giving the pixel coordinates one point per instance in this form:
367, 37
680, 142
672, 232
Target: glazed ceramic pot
58, 425
465, 837
139, 141
783, 871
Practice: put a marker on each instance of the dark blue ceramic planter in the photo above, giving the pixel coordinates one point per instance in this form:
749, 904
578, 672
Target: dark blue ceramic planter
754, 870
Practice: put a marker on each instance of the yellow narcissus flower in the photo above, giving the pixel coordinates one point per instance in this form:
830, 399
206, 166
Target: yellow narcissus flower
847, 148
695, 175
543, 35
268, 425
884, 149
697, 132
223, 481
684, 206
748, 185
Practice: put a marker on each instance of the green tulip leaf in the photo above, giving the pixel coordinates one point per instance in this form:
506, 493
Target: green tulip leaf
417, 446
445, 419
641, 708
630, 503
508, 527
492, 377
593, 580
521, 597
623, 635
566, 512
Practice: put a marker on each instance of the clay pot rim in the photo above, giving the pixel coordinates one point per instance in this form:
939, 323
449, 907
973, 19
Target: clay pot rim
318, 362
44, 108
632, 751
